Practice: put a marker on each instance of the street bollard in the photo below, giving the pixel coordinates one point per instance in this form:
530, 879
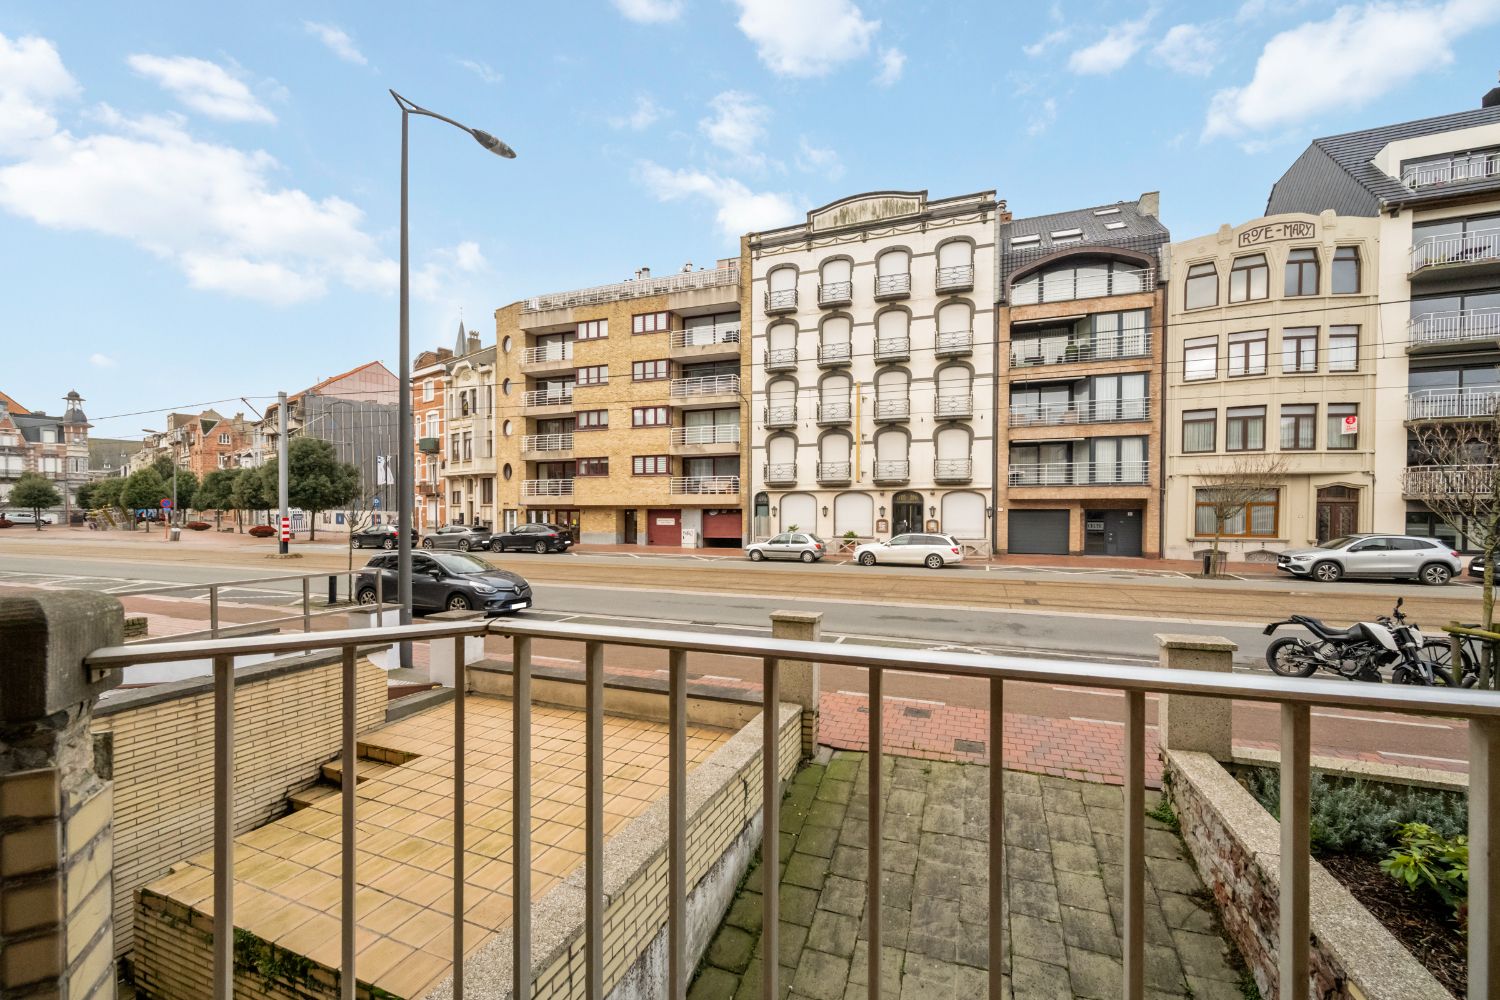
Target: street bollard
333, 590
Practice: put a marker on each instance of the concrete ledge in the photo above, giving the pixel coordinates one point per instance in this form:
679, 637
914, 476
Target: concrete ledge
1339, 767
400, 708
1236, 846
1202, 643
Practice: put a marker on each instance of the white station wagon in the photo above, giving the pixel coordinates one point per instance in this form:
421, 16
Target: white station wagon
932, 551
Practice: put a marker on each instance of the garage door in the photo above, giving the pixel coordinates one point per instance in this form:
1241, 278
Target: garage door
663, 527
1038, 531
721, 524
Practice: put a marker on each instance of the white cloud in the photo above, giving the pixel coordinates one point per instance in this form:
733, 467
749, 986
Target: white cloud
337, 40
32, 80
101, 360
468, 257
816, 160
1114, 50
203, 86
650, 11
806, 38
1042, 120
1189, 49
645, 114
1049, 41
1351, 59
737, 209
483, 70
738, 123
892, 64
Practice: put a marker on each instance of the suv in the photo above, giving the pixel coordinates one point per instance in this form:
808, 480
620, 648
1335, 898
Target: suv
537, 537
27, 517
458, 536
1406, 557
447, 581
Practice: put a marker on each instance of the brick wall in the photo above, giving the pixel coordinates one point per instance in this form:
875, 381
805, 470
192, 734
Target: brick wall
287, 723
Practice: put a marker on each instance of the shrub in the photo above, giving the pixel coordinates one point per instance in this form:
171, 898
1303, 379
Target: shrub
262, 531
850, 535
197, 526
1361, 817
6, 522
1427, 859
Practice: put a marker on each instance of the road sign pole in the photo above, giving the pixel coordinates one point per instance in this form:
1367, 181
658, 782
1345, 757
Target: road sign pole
281, 475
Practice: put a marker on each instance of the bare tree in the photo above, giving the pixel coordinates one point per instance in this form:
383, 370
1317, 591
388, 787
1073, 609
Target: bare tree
1454, 469
1230, 491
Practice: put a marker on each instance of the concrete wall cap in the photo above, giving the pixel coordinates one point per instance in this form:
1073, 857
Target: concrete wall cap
1208, 643
45, 635
797, 617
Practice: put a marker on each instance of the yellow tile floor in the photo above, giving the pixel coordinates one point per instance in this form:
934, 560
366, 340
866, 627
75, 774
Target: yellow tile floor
287, 872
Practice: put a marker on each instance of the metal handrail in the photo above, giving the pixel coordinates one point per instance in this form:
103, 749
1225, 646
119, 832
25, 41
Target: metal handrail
1440, 404
634, 289
892, 471
547, 397
547, 487
705, 336
547, 442
1135, 344
834, 472
779, 472
893, 284
780, 358
705, 385
954, 405
781, 300
1096, 411
955, 277
1472, 247
1454, 170
892, 409
834, 413
706, 434
833, 293
779, 416
1454, 326
694, 485
835, 354
1453, 479
547, 352
1133, 473
1089, 286
947, 469
953, 342
892, 347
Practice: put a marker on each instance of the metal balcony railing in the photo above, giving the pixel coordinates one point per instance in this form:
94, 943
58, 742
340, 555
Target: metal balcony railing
830, 355
784, 300
1080, 474
893, 349
834, 413
835, 472
952, 470
1096, 411
835, 293
620, 290
547, 442
1084, 286
779, 472
1476, 247
781, 359
1453, 480
891, 286
1028, 352
547, 352
1453, 326
893, 408
705, 336
953, 343
694, 485
780, 416
1454, 170
953, 407
1294, 699
706, 385
548, 397
892, 472
546, 487
956, 278
706, 434
1452, 404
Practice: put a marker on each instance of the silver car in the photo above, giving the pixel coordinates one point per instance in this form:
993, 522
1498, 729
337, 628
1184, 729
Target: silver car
458, 536
802, 545
930, 550
1405, 557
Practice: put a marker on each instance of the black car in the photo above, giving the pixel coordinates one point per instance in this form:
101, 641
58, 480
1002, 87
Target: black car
379, 536
536, 538
448, 581
1476, 567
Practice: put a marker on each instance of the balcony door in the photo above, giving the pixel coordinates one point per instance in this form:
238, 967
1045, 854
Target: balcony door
1338, 512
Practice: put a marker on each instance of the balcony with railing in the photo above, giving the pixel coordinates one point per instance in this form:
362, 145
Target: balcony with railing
547, 357
956, 278
892, 349
835, 293
834, 355
1093, 411
550, 445
1451, 171
1452, 404
1029, 352
703, 485
1452, 328
546, 487
722, 340
780, 415
782, 300
1450, 480
781, 359
1133, 473
719, 277
830, 473
706, 439
1033, 290
891, 409
953, 343
553, 400
952, 470
891, 472
892, 286
779, 473
704, 390
833, 414
1474, 252
952, 406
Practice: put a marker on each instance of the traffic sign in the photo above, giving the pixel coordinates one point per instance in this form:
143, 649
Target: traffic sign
375, 502
166, 503
286, 529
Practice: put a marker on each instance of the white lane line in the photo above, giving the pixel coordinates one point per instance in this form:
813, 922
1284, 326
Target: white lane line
919, 701
1105, 722
565, 618
719, 677
1388, 722
856, 694
1420, 756
840, 639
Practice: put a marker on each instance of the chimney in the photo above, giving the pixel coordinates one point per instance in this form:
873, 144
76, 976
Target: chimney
1003, 212
1149, 204
1492, 99
644, 272
474, 343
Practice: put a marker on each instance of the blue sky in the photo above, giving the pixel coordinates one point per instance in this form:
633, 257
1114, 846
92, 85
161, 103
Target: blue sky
199, 202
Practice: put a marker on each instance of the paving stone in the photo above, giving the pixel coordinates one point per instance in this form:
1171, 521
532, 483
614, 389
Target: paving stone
714, 984
897, 857
789, 944
934, 878
855, 833
934, 927
745, 913
1111, 848
891, 960
797, 903
1215, 989
939, 846
833, 790
1163, 844
1021, 783
1157, 931
929, 973
834, 933
973, 945
1037, 899
731, 949
843, 895
1037, 939
1102, 796
896, 889
1188, 913
974, 904
1082, 891
1163, 970
852, 862
971, 982
1033, 980
905, 801
825, 813
1074, 829
1203, 955
1066, 800
789, 843
845, 769
1095, 976
806, 870
750, 983
895, 926
1080, 858
904, 828
1035, 866
942, 818
1091, 930
1172, 876
812, 774
821, 976
819, 840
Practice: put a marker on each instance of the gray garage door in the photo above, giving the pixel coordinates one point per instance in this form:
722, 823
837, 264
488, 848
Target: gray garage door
1039, 531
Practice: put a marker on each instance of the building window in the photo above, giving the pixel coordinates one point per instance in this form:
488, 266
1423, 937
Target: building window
489, 443
651, 465
223, 438
594, 329
1302, 272
427, 390
487, 490
1257, 519
1245, 428
1343, 348
1343, 426
1299, 427
457, 497
1202, 286
591, 420
656, 322
453, 449
1346, 271
1200, 359
468, 446
593, 375
1199, 431
648, 416
592, 467
1299, 349
1250, 278
648, 371
1247, 353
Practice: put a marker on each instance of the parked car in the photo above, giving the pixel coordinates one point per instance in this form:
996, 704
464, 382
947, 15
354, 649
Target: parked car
538, 537
458, 536
27, 517
447, 581
1476, 567
802, 545
1406, 557
380, 536
932, 551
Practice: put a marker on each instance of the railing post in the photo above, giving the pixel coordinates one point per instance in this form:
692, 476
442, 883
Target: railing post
307, 604
1484, 858
1294, 942
458, 817
223, 970
213, 610
520, 804
677, 888
1134, 848
874, 899
594, 821
770, 841
996, 914
349, 915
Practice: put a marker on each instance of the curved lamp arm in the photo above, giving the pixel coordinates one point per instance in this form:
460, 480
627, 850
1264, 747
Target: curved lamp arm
485, 139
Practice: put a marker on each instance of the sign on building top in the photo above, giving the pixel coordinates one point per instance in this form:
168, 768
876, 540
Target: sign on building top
865, 209
1253, 236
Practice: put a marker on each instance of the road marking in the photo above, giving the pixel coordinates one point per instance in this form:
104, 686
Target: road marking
856, 694
919, 701
1102, 722
1420, 756
720, 677
1388, 722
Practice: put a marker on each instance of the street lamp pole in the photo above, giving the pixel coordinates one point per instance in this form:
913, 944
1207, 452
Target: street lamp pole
406, 485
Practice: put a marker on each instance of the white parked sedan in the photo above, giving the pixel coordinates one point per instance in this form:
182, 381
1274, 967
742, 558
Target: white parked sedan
932, 551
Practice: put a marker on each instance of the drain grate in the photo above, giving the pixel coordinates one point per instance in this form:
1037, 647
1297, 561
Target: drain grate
863, 710
917, 713
968, 746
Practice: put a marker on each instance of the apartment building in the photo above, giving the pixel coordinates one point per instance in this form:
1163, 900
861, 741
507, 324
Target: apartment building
469, 405
429, 394
621, 409
1433, 188
1080, 312
872, 368
56, 447
1272, 348
202, 442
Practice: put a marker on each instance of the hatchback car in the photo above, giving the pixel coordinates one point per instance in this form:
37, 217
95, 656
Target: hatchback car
932, 551
28, 517
379, 536
1476, 567
1403, 557
458, 536
537, 537
802, 545
448, 581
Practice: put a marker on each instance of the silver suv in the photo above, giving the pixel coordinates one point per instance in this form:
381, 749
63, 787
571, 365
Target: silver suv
1406, 557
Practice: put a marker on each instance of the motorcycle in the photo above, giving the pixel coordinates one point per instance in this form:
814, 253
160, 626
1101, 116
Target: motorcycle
1361, 651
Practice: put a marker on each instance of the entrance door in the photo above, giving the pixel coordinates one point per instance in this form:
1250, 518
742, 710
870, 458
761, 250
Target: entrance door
663, 527
630, 527
906, 513
1122, 532
1338, 512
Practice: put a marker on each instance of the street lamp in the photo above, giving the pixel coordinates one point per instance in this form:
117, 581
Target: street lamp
406, 484
174, 471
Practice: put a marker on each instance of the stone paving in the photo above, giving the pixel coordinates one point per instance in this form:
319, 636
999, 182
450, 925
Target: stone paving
1063, 893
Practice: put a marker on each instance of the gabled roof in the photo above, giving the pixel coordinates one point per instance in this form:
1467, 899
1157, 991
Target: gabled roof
12, 405
1124, 225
